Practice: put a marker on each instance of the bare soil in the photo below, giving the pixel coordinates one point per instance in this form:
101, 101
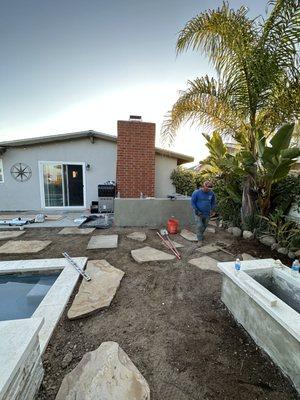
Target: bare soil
169, 319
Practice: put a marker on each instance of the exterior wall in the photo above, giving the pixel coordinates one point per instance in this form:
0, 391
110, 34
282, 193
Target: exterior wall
101, 155
136, 159
163, 169
153, 213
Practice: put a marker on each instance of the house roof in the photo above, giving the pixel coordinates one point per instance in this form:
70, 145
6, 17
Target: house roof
91, 134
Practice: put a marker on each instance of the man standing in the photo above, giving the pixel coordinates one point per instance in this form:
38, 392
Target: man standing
203, 202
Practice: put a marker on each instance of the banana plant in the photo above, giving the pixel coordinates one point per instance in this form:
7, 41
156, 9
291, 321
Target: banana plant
274, 161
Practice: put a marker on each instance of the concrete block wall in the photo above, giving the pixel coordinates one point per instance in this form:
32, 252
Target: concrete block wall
152, 213
136, 159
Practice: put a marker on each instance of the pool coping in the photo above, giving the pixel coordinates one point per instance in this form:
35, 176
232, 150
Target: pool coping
52, 306
282, 313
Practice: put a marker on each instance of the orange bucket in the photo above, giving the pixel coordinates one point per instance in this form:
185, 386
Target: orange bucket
172, 225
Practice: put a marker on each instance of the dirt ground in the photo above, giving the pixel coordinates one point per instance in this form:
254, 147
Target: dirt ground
169, 319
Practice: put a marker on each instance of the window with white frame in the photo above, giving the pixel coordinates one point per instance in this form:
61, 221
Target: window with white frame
1, 171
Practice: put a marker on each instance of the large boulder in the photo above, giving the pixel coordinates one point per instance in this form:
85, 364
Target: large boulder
248, 235
237, 232
267, 240
106, 373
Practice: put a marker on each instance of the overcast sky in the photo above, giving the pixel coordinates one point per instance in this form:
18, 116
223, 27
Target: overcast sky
70, 65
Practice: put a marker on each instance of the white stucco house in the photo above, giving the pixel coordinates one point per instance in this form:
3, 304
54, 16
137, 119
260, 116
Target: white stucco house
63, 171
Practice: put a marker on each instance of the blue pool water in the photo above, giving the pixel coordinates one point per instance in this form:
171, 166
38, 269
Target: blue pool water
20, 295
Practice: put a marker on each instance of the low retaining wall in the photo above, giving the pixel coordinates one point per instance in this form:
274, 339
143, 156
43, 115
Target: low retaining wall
152, 213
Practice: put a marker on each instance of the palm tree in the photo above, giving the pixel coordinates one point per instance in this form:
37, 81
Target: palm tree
257, 67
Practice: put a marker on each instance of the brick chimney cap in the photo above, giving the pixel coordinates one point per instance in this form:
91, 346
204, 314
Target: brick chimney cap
135, 118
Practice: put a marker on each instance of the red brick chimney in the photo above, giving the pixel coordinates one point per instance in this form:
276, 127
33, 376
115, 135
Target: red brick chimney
135, 158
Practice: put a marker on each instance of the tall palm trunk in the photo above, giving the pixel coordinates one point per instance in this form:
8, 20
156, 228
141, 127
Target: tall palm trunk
248, 200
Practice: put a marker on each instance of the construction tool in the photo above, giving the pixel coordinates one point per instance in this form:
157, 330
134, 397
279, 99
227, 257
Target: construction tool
163, 234
73, 263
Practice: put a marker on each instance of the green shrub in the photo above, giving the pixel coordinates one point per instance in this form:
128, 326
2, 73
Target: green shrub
285, 193
185, 180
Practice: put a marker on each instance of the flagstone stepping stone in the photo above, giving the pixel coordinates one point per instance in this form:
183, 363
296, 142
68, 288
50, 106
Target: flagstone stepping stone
209, 248
246, 256
176, 244
205, 263
24, 246
139, 236
188, 235
103, 242
210, 229
76, 231
148, 253
4, 235
98, 293
106, 373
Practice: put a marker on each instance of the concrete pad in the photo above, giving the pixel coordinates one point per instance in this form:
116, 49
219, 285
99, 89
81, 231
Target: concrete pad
246, 256
147, 254
188, 235
4, 235
103, 242
98, 293
209, 248
76, 231
24, 246
205, 263
106, 373
139, 236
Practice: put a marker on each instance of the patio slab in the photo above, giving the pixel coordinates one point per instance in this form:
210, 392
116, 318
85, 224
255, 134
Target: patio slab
139, 236
76, 231
24, 246
107, 372
98, 293
147, 254
103, 242
205, 263
208, 248
4, 235
188, 235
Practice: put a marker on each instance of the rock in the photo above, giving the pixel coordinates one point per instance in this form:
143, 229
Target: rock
24, 246
76, 231
246, 256
229, 230
188, 235
205, 263
291, 255
98, 293
103, 242
147, 254
248, 235
282, 250
210, 229
4, 235
67, 360
267, 240
106, 373
274, 246
139, 236
209, 248
237, 232
297, 253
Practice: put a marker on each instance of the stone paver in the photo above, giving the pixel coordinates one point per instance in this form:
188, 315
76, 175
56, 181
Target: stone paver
106, 373
205, 263
4, 235
176, 244
188, 235
24, 246
147, 254
208, 248
139, 236
98, 293
210, 229
103, 242
76, 231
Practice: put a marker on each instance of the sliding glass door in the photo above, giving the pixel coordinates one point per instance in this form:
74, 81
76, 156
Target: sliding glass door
63, 184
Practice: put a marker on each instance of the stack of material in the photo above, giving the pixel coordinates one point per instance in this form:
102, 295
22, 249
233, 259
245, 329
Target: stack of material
21, 369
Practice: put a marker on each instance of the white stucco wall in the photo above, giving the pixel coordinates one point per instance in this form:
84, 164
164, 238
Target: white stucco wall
101, 155
163, 168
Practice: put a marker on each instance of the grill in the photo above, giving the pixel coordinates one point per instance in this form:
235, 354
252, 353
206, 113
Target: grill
106, 195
